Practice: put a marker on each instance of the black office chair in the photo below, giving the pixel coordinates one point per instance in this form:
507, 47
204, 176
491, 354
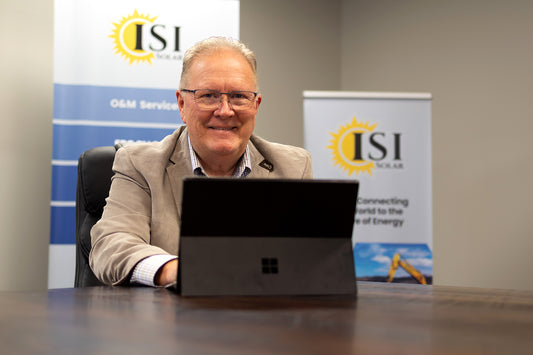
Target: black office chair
94, 180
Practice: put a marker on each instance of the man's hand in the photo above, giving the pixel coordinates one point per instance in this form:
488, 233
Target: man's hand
167, 274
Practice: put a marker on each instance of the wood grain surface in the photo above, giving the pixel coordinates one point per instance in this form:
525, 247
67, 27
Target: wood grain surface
383, 319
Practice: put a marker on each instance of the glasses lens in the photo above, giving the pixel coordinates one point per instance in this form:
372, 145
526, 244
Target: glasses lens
207, 98
241, 99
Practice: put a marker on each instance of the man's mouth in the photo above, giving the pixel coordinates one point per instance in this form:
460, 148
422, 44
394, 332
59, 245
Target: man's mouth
222, 128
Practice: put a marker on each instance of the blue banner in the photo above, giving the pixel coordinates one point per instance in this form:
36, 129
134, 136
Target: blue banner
110, 103
63, 225
64, 182
77, 139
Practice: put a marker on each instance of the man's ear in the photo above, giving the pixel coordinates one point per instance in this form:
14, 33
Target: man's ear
181, 104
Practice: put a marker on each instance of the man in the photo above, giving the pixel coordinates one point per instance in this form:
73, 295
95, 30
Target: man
136, 241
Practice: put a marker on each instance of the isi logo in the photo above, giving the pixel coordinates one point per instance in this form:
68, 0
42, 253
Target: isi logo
360, 148
137, 38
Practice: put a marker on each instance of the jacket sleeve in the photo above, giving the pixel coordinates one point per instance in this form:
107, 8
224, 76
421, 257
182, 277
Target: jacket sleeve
121, 238
308, 166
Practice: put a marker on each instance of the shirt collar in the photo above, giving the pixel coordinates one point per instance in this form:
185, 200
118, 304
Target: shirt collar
243, 168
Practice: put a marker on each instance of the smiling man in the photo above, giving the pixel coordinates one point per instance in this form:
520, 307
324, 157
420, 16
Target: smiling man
136, 240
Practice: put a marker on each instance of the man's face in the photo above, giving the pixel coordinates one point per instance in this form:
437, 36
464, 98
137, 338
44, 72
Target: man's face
220, 132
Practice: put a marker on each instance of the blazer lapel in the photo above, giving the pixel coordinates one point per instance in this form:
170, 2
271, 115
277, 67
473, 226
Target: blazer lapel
179, 165
261, 167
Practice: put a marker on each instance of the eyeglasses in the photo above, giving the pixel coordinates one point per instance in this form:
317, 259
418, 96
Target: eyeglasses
207, 99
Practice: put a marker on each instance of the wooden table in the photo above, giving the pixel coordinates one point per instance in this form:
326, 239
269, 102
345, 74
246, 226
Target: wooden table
383, 319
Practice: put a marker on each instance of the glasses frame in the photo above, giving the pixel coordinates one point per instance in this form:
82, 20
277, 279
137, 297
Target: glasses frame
220, 100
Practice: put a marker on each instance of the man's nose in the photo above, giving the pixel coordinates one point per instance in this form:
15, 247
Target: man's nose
225, 106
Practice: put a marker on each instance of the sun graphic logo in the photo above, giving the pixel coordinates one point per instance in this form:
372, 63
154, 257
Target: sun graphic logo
346, 144
127, 36
138, 39
357, 148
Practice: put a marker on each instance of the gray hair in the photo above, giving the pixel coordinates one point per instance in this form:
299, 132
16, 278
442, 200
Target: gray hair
213, 44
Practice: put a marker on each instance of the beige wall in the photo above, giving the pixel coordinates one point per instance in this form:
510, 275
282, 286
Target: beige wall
471, 55
297, 43
25, 142
475, 57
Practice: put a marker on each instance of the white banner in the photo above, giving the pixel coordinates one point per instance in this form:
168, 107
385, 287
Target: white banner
117, 66
384, 141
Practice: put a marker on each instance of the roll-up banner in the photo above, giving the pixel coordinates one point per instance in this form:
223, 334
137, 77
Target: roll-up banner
116, 69
383, 140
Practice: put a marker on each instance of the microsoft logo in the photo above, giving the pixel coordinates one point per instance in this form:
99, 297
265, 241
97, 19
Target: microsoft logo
269, 265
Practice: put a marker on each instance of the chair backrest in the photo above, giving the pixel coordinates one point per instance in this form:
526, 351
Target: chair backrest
94, 180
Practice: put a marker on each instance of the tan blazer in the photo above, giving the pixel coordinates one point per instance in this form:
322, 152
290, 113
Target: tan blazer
142, 213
